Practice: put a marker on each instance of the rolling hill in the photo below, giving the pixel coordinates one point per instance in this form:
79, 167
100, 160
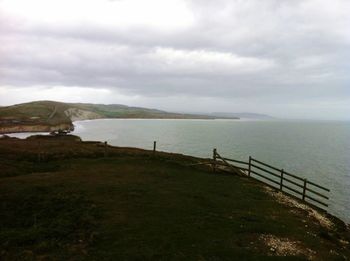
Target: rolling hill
54, 116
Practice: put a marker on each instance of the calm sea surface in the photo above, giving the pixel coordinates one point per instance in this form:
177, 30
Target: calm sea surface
317, 150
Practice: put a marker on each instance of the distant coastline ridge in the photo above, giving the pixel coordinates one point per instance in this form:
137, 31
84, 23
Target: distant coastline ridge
246, 115
52, 116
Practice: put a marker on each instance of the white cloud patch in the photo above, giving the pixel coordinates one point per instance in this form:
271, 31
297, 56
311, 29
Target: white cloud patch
62, 93
275, 53
207, 62
125, 14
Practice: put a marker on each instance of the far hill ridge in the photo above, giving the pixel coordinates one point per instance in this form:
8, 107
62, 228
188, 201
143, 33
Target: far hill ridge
50, 116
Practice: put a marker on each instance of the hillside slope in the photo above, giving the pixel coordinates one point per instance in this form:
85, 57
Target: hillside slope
53, 116
78, 204
123, 111
45, 116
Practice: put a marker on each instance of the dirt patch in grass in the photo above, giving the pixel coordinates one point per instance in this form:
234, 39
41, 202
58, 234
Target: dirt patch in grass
286, 247
313, 213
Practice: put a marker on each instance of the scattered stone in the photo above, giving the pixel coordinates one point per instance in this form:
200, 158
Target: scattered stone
282, 198
286, 247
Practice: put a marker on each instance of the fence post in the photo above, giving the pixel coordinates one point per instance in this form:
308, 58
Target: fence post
304, 189
281, 182
105, 149
154, 147
39, 151
214, 160
250, 166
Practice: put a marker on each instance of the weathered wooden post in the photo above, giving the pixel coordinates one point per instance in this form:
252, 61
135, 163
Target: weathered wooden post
249, 166
105, 148
304, 189
281, 182
39, 151
154, 147
214, 160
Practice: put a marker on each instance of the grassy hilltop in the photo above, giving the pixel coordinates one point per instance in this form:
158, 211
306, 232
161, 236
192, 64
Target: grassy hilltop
77, 203
43, 111
54, 112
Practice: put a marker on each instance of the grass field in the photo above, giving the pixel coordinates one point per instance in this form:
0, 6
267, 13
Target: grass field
76, 204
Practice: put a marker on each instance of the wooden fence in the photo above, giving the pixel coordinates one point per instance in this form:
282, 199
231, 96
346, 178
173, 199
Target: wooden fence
280, 179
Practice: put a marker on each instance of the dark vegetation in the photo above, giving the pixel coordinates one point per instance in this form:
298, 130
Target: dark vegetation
61, 198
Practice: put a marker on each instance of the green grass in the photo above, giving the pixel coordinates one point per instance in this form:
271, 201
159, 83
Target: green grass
132, 206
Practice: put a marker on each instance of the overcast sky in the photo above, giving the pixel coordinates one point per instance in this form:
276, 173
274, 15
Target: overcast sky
290, 58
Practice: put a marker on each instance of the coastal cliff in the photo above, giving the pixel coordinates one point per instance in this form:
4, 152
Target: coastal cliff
76, 114
43, 116
36, 128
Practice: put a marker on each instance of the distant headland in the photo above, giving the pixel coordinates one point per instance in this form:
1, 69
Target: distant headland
51, 116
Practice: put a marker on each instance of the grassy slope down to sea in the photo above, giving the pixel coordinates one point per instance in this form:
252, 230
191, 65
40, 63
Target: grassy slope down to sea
50, 116
79, 204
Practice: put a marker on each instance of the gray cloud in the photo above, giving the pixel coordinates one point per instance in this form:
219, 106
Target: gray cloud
276, 53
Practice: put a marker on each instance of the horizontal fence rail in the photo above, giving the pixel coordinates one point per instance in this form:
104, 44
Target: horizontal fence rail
280, 179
